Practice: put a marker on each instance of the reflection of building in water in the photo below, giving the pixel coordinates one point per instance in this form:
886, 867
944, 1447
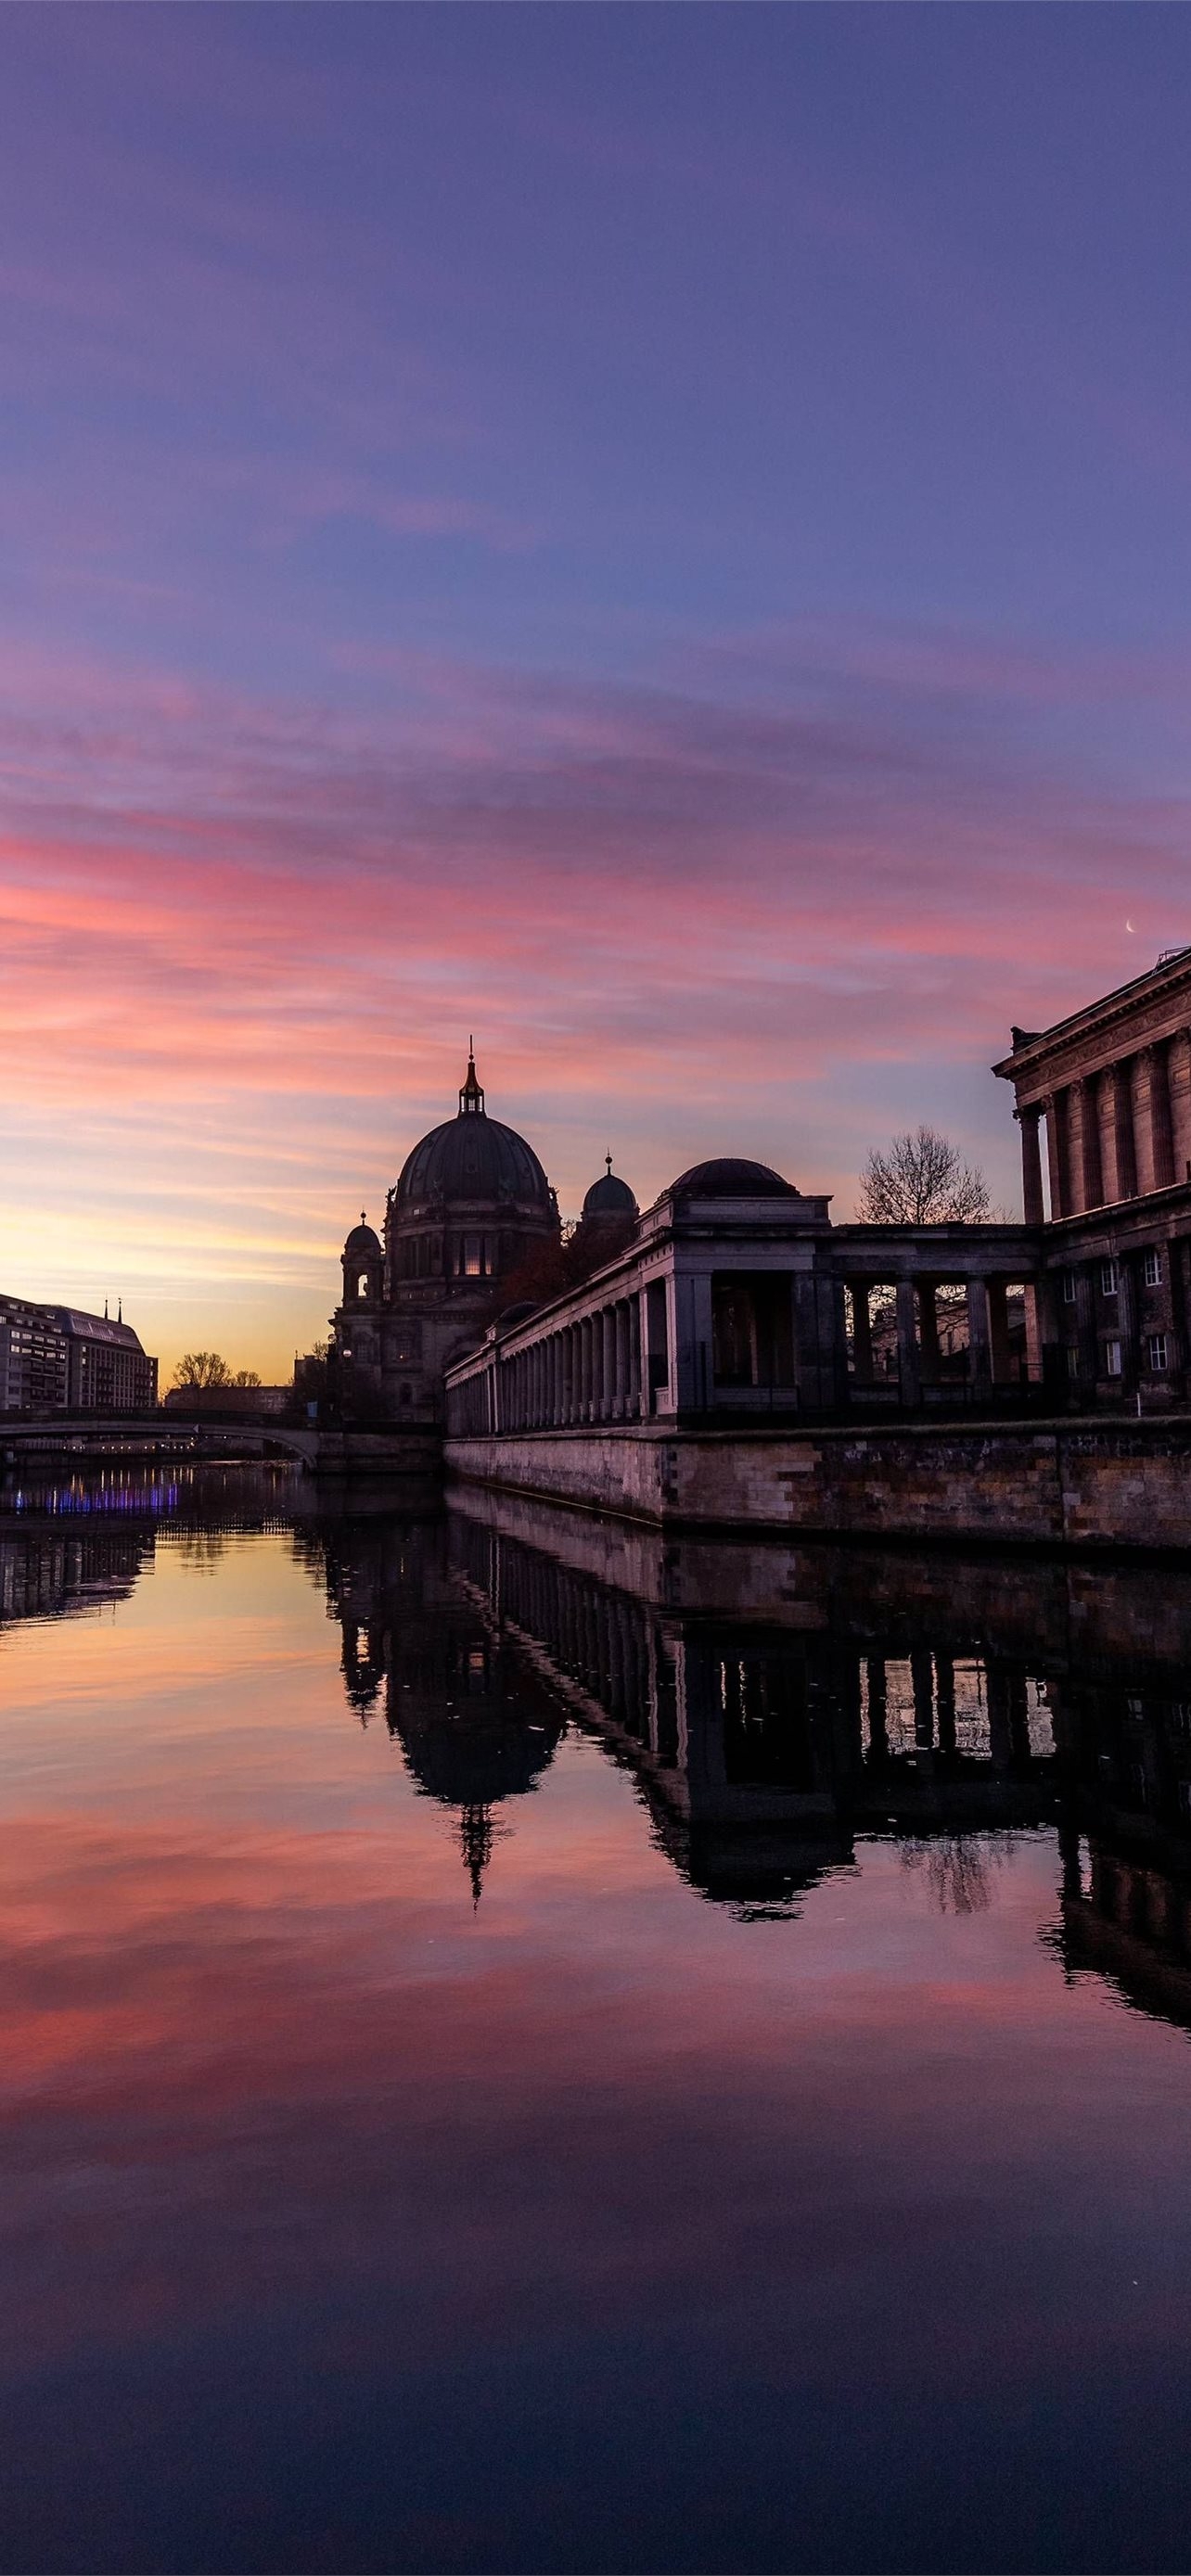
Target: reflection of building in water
53, 1574
761, 1745
774, 1704
73, 1543
763, 1748
1126, 1909
473, 1728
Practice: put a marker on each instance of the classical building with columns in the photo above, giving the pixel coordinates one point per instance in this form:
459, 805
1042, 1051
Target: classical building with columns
1103, 1101
736, 1295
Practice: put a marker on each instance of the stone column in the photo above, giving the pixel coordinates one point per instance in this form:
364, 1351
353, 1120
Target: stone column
1042, 1332
1085, 1130
607, 1364
1178, 1070
923, 1679
928, 1330
979, 1337
1000, 1741
878, 1730
703, 1354
907, 1343
622, 1362
1054, 1154
945, 1702
1143, 1121
998, 1317
1126, 1142
1161, 1132
834, 1336
1033, 1203
568, 1374
636, 1407
862, 1331
1110, 1160
1069, 1154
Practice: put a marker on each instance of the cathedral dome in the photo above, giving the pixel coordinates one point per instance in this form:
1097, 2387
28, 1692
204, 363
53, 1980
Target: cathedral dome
728, 1176
609, 1197
472, 1158
362, 1239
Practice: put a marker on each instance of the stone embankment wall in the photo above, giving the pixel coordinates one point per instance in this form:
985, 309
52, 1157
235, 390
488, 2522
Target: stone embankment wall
1070, 1483
383, 1452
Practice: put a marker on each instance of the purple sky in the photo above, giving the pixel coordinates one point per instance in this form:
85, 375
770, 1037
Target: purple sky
658, 535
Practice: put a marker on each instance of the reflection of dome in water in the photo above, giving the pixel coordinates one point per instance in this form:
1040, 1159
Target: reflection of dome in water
472, 1758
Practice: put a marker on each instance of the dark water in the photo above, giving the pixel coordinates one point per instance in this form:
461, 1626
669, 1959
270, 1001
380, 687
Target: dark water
529, 2048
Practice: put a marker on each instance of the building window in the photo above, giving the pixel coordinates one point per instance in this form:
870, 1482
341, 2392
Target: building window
1072, 1360
1153, 1269
1108, 1279
473, 1257
362, 1286
1156, 1347
1112, 1359
1068, 1287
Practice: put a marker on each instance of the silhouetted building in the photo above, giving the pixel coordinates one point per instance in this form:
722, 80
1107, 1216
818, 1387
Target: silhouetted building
1111, 1088
58, 1358
471, 1205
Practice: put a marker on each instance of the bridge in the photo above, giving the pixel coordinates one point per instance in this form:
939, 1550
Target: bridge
139, 1435
325, 1450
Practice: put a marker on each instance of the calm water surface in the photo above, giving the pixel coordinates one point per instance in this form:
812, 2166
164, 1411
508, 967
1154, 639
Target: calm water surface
527, 2048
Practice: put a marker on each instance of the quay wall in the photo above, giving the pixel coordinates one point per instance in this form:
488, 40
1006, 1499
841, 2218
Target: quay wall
1073, 1483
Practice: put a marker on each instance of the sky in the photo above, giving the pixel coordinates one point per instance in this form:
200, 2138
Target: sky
656, 535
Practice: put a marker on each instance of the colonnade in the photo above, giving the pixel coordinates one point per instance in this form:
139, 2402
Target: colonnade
587, 1371
1112, 1134
990, 1359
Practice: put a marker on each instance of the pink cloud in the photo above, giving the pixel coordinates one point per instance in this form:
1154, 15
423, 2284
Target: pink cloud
694, 908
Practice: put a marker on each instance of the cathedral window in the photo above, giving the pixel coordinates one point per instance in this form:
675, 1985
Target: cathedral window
472, 1264
362, 1284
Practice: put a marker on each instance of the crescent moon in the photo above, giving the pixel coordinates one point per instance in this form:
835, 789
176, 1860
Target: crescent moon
1128, 925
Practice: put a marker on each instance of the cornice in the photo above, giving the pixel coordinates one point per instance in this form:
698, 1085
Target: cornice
1158, 982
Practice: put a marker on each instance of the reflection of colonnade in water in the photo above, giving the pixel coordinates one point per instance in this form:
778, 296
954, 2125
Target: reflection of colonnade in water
762, 1749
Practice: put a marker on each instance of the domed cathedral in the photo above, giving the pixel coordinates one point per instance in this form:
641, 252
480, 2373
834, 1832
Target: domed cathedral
470, 1205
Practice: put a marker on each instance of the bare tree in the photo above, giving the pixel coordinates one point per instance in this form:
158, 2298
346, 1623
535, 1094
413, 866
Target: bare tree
922, 1179
247, 1377
197, 1370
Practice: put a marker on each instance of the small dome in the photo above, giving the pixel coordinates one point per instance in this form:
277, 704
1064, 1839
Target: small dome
609, 1196
362, 1238
729, 1177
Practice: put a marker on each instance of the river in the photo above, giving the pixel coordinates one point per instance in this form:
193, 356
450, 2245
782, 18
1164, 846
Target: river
532, 2046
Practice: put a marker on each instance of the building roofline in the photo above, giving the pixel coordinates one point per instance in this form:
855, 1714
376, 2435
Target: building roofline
1034, 1048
